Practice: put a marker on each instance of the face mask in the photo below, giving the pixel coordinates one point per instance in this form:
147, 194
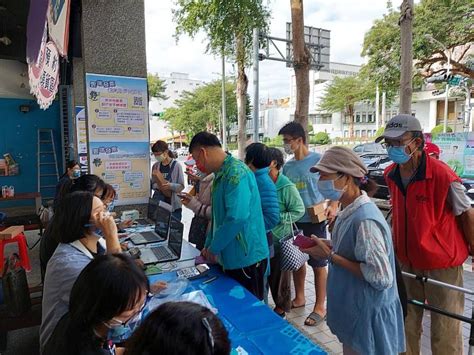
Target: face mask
398, 154
329, 192
159, 158
111, 206
76, 173
287, 148
120, 332
201, 167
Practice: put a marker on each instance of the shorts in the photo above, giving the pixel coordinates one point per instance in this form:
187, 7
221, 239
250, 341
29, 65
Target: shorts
319, 230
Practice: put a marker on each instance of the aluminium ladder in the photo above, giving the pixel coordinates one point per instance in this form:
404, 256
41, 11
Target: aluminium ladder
47, 167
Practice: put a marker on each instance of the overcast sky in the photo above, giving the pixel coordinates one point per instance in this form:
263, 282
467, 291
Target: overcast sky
347, 20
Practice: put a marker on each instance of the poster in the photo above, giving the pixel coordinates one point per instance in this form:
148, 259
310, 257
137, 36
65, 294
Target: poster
457, 150
58, 24
117, 108
118, 133
125, 166
81, 137
35, 29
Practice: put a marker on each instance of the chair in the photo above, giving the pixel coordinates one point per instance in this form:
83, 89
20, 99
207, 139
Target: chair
10, 235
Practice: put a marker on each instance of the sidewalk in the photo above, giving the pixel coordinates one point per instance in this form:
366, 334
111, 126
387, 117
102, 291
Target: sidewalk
323, 337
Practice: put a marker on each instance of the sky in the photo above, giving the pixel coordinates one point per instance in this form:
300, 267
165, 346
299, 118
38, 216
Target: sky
348, 20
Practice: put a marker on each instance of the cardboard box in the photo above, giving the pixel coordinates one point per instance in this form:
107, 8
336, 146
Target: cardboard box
11, 232
317, 212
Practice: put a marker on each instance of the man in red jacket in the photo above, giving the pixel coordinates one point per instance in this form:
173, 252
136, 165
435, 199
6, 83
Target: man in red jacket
433, 231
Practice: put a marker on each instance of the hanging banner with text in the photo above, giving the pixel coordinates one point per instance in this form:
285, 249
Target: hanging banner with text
457, 150
81, 137
119, 139
125, 166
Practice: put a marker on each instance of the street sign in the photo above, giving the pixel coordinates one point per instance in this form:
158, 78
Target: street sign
317, 40
455, 80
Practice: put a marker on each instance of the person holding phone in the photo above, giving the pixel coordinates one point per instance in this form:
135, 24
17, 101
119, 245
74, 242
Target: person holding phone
363, 305
167, 178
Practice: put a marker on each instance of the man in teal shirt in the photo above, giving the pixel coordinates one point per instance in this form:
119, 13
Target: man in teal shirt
297, 170
237, 236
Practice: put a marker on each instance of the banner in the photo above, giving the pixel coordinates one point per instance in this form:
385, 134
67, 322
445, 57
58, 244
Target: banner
119, 143
457, 150
58, 24
124, 165
81, 137
117, 108
44, 75
35, 29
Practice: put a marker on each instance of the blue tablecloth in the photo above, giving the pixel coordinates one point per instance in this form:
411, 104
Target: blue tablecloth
251, 324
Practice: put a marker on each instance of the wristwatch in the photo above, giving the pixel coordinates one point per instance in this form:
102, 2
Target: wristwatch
330, 257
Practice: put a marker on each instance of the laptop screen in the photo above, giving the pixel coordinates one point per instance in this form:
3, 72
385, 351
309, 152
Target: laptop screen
162, 221
175, 240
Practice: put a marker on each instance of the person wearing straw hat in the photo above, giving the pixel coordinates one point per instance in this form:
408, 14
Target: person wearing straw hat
363, 306
433, 229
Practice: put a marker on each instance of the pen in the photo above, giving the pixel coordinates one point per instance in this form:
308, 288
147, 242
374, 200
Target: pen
214, 278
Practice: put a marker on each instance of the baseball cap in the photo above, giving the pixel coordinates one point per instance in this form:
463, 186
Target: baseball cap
399, 125
340, 160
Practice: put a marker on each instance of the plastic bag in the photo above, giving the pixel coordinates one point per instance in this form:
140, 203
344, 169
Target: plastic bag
15, 287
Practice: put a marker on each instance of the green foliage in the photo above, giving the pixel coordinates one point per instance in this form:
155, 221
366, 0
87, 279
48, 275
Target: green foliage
379, 132
320, 138
200, 110
156, 86
439, 129
222, 22
343, 93
310, 128
275, 142
448, 21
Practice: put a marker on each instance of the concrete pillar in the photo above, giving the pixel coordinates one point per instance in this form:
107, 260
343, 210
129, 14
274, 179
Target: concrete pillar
432, 115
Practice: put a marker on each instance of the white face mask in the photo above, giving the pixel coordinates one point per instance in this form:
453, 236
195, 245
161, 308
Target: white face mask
287, 148
159, 158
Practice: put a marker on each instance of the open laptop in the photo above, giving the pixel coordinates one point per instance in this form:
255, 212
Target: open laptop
161, 229
169, 252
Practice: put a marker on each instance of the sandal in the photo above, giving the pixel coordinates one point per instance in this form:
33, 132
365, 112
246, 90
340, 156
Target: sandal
281, 314
314, 319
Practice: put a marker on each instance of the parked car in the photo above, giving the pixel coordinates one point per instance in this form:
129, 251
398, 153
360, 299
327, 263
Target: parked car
377, 163
374, 148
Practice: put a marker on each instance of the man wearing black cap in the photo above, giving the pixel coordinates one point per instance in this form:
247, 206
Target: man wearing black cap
433, 231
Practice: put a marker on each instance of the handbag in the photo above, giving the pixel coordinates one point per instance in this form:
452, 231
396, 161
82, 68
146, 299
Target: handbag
15, 287
198, 230
292, 258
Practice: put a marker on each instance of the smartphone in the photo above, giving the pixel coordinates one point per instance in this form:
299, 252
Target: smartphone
303, 241
193, 272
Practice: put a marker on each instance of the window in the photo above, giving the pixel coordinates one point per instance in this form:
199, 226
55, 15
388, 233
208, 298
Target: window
173, 82
370, 118
346, 133
364, 133
357, 133
369, 133
357, 118
358, 148
364, 117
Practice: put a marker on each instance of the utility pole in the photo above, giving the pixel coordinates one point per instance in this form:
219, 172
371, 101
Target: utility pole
406, 64
377, 108
384, 102
224, 113
255, 85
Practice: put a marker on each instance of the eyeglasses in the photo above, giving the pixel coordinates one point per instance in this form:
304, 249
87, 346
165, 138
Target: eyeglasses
387, 145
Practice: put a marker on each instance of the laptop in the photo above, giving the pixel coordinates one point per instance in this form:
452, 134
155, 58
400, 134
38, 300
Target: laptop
169, 252
161, 229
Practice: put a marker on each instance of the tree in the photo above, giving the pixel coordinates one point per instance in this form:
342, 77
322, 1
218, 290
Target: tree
406, 60
301, 63
342, 95
440, 129
156, 86
448, 21
228, 26
321, 138
200, 110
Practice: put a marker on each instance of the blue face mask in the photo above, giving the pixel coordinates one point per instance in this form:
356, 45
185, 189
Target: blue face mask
398, 154
329, 192
121, 331
76, 173
111, 206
